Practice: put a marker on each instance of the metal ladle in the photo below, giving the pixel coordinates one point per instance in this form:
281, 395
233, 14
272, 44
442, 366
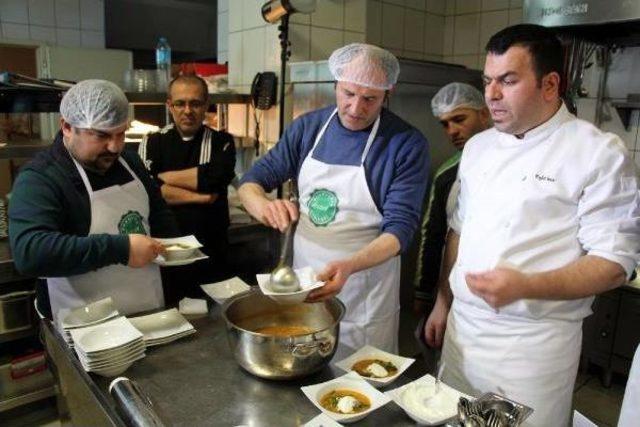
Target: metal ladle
283, 278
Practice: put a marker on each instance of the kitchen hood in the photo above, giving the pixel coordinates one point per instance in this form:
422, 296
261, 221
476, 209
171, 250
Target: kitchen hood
600, 21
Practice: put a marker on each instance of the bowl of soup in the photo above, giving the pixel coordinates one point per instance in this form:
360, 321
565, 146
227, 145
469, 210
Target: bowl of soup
280, 342
346, 399
378, 367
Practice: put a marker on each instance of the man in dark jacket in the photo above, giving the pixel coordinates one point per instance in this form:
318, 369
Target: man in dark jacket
193, 165
82, 212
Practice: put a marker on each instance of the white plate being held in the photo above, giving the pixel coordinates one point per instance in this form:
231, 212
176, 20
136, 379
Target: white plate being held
179, 248
221, 291
419, 401
196, 256
350, 381
370, 352
321, 420
105, 336
308, 282
161, 325
90, 314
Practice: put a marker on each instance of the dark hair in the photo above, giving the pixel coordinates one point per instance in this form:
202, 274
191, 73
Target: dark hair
545, 48
190, 78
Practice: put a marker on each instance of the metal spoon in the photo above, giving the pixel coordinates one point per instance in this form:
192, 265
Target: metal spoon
283, 279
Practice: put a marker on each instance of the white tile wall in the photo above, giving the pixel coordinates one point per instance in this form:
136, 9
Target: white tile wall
323, 42
396, 2
42, 12
515, 16
223, 31
271, 48
223, 5
466, 34
68, 37
468, 6
300, 37
353, 37
355, 13
15, 31
414, 23
14, 11
434, 33
450, 7
374, 22
235, 15
436, 6
92, 15
90, 38
235, 55
515, 4
42, 34
495, 4
448, 35
392, 26
251, 14
329, 14
415, 4
67, 13
252, 58
491, 23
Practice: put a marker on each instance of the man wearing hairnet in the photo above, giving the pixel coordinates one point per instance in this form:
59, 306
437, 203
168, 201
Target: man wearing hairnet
461, 110
82, 211
361, 173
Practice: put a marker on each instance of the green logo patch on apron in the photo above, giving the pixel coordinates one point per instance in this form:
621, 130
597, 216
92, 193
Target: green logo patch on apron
131, 223
323, 207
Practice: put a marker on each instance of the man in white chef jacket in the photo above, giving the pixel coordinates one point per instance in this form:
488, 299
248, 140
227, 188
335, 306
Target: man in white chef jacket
547, 217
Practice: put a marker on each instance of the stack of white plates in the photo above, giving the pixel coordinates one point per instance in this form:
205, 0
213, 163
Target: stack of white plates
108, 348
88, 315
163, 327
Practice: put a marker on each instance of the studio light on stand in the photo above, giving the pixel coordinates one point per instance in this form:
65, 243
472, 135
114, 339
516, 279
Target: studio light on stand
279, 10
272, 12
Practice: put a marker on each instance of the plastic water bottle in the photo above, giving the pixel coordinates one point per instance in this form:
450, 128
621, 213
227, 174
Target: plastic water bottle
163, 63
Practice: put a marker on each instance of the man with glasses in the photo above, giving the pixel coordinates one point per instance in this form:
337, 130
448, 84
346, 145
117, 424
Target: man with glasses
193, 165
82, 211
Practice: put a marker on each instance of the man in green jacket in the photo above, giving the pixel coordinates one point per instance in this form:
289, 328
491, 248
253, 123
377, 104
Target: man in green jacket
461, 110
82, 211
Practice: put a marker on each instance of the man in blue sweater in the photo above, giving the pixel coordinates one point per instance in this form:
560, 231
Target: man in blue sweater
361, 172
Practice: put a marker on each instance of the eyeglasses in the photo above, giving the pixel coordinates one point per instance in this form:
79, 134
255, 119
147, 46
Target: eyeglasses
193, 104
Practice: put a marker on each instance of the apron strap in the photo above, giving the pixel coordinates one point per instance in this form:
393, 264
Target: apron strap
370, 139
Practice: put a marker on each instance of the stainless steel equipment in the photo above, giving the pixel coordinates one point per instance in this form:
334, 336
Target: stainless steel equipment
16, 311
283, 278
281, 357
135, 407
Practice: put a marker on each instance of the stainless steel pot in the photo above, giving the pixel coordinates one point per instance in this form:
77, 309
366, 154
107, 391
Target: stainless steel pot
277, 357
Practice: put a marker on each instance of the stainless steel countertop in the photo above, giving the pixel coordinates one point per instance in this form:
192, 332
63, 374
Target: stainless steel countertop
196, 381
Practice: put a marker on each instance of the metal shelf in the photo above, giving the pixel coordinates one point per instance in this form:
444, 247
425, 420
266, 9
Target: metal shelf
625, 109
159, 98
29, 100
34, 396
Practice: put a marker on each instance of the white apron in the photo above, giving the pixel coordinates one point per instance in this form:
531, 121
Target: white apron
630, 412
132, 289
338, 217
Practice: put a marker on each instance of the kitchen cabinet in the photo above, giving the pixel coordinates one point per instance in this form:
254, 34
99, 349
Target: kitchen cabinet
611, 334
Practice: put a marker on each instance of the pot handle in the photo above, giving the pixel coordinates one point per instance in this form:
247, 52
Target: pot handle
323, 346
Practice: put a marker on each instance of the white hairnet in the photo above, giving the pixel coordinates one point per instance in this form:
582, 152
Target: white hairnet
365, 65
456, 95
95, 104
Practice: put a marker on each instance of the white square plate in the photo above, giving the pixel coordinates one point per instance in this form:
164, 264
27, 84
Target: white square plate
161, 325
321, 420
370, 352
197, 256
417, 400
308, 282
221, 291
90, 314
350, 381
104, 336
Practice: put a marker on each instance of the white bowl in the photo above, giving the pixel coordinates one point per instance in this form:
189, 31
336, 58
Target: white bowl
161, 325
173, 250
370, 352
350, 381
418, 401
308, 282
112, 371
90, 314
221, 291
115, 333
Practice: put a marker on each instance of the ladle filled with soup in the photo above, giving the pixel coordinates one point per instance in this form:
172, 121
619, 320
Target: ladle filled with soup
345, 401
